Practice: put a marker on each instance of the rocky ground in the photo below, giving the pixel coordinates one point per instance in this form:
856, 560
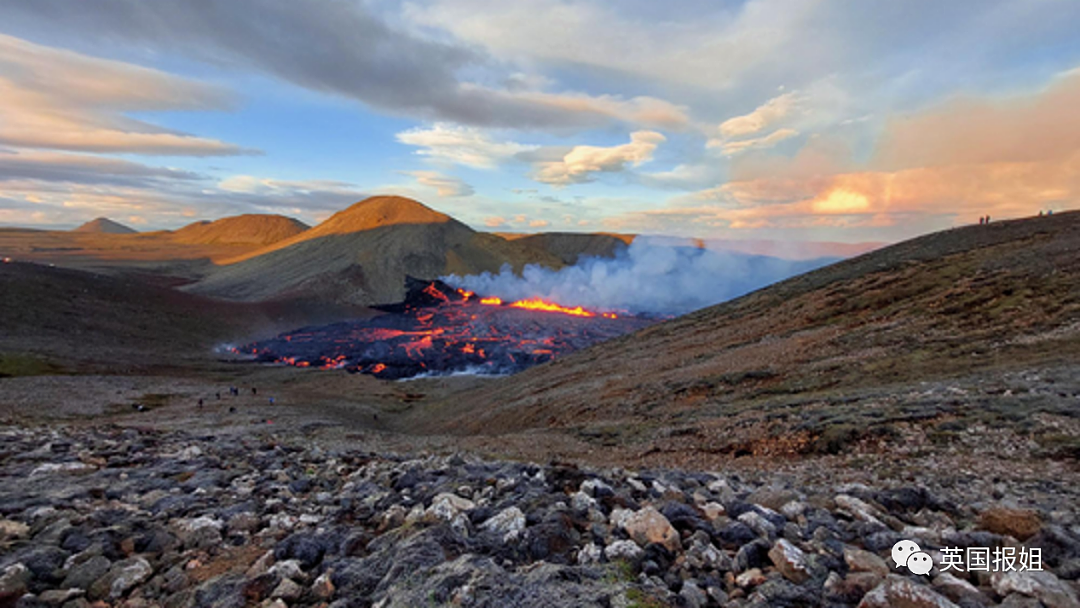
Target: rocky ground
111, 516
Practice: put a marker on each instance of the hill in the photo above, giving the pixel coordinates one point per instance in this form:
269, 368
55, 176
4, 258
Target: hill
249, 229
835, 355
361, 255
570, 246
105, 226
76, 321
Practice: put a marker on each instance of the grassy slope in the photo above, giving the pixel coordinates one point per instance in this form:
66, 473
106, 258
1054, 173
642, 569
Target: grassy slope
974, 300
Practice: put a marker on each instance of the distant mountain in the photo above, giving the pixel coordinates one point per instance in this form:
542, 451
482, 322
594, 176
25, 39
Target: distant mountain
569, 246
361, 255
104, 225
250, 229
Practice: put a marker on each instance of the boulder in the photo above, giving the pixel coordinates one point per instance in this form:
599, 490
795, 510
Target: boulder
1020, 524
790, 561
650, 526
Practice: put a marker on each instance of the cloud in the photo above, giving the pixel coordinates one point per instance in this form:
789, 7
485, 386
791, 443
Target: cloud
748, 48
581, 163
461, 145
495, 222
731, 148
344, 49
301, 195
970, 130
765, 115
539, 223
951, 162
444, 185
85, 169
57, 99
170, 200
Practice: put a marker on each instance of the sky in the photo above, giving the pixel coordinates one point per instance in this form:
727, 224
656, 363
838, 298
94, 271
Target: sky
794, 120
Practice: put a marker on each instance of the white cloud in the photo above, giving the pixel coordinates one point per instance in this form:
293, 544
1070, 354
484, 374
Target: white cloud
730, 148
444, 185
765, 115
470, 146
581, 163
57, 99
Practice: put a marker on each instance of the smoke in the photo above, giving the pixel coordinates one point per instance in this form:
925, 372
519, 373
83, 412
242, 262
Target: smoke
651, 276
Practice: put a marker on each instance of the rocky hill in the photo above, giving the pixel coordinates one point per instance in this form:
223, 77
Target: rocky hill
104, 225
361, 255
249, 229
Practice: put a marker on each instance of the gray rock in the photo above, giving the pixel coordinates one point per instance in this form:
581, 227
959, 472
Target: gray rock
693, 596
508, 524
126, 574
14, 582
287, 590
898, 591
1042, 585
790, 561
623, 550
85, 573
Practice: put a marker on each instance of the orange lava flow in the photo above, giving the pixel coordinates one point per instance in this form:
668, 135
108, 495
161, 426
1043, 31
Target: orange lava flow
538, 304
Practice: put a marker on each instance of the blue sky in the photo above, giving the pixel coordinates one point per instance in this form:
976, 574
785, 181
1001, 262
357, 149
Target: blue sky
779, 119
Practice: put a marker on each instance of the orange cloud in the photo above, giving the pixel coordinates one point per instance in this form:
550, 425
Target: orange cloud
957, 162
1030, 128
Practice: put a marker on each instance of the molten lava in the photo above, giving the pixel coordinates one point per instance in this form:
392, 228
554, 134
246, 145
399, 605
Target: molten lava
442, 330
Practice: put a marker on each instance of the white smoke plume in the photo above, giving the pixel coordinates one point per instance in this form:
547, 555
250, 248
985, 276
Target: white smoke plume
650, 276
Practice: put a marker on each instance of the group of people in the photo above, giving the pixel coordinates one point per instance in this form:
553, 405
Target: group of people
235, 392
985, 219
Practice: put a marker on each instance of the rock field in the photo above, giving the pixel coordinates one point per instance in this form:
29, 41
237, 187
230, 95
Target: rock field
106, 516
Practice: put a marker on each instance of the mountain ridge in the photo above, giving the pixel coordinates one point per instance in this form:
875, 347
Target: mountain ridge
362, 254
245, 229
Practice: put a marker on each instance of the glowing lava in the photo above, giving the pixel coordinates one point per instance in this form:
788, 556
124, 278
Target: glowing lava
441, 330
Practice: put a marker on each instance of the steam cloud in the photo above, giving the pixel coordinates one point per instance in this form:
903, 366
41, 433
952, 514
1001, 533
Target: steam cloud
648, 277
